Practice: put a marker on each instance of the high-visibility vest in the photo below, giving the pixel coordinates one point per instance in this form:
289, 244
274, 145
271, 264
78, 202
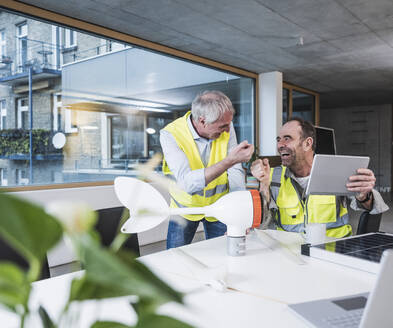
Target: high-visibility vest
216, 188
292, 209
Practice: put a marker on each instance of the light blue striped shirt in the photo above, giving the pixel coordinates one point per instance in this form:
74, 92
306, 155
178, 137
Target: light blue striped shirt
193, 181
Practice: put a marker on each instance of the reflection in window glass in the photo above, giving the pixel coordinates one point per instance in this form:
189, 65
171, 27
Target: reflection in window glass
110, 99
303, 105
127, 137
154, 125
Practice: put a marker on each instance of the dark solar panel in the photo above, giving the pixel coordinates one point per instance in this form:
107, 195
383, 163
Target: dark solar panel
368, 247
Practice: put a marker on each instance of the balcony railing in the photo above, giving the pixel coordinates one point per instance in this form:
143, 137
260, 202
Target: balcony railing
37, 54
43, 57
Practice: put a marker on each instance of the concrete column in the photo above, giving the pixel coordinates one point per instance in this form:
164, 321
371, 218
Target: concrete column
270, 111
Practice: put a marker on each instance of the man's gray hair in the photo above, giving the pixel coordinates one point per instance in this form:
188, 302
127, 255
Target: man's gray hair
211, 105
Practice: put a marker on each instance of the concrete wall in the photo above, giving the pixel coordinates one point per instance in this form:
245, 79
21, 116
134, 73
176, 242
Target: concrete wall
364, 130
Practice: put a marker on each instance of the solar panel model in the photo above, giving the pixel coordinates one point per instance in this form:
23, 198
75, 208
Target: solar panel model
362, 252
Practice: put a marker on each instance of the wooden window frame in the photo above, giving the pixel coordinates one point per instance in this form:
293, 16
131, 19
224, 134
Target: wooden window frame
291, 87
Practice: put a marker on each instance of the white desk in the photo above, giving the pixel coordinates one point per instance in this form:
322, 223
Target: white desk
267, 280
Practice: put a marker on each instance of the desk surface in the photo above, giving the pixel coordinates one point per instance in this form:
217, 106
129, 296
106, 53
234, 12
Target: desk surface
265, 280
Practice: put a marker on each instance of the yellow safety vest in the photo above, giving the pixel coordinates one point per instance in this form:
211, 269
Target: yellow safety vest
216, 188
292, 209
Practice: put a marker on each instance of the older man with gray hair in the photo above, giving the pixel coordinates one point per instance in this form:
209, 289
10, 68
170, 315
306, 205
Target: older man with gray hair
202, 155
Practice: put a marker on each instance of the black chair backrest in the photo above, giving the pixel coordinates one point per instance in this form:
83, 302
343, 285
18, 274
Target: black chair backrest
368, 223
7, 253
108, 224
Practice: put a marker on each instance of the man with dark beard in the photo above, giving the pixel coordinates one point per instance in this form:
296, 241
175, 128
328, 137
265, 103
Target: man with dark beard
283, 187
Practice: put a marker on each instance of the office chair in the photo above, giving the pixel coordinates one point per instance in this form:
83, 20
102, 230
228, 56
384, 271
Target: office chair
7, 253
368, 223
108, 226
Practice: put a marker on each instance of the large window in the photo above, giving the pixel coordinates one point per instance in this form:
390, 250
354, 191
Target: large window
3, 113
69, 38
23, 114
110, 99
21, 46
300, 102
3, 177
3, 45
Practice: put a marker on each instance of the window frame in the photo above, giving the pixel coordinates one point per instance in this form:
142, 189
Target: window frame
19, 180
70, 38
99, 31
3, 44
21, 36
3, 177
56, 108
20, 109
3, 113
291, 87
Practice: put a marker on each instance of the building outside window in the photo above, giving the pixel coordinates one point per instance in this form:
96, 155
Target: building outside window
110, 98
23, 114
3, 113
21, 177
3, 45
21, 46
70, 119
3, 177
69, 38
56, 112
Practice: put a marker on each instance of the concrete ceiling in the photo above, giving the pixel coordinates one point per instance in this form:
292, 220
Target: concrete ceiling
340, 48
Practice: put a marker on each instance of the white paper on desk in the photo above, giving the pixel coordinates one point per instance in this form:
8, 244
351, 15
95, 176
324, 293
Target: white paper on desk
214, 277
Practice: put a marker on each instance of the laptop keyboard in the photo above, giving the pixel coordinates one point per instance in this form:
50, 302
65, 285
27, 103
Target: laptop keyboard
349, 320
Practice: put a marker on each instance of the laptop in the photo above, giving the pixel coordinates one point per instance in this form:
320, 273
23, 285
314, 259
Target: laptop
367, 310
329, 174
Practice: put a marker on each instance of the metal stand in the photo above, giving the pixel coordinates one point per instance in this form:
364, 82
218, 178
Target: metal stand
236, 246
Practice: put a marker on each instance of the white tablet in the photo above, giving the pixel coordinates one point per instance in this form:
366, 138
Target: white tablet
329, 174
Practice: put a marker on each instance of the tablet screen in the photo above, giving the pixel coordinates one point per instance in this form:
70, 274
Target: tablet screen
329, 173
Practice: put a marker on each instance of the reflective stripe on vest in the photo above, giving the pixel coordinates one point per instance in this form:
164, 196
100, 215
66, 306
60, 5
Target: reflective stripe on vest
216, 188
211, 192
323, 209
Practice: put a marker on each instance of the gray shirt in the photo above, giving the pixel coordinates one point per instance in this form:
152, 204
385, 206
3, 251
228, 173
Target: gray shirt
193, 181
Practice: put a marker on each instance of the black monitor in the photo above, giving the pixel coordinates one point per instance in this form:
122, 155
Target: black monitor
326, 142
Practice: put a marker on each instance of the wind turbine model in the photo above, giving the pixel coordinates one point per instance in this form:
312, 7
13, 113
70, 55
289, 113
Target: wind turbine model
239, 210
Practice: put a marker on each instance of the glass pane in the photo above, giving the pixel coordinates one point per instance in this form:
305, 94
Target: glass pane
127, 137
303, 105
154, 125
285, 105
110, 99
25, 120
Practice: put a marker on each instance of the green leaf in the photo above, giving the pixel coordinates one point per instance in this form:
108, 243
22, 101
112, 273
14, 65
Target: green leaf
46, 320
156, 320
129, 259
85, 289
105, 269
108, 324
27, 227
14, 286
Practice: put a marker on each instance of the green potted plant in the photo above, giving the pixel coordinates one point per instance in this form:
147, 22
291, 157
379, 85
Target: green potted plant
108, 272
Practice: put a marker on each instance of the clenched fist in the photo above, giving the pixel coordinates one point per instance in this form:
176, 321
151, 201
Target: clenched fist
260, 169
